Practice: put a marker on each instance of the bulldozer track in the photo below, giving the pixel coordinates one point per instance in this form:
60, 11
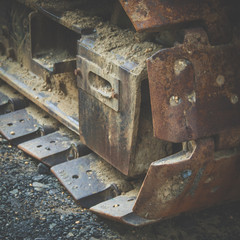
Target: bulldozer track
79, 170
134, 106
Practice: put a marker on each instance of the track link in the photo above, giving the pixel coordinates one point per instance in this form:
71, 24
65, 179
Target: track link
91, 181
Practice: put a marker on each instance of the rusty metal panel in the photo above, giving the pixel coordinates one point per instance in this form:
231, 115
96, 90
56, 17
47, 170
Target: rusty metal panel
192, 179
82, 181
228, 139
194, 88
151, 15
51, 149
120, 209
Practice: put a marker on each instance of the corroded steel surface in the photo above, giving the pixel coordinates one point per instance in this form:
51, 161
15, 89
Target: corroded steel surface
228, 139
82, 182
189, 180
120, 209
194, 88
115, 122
150, 15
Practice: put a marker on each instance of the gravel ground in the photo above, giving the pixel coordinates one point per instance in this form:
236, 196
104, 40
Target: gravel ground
36, 206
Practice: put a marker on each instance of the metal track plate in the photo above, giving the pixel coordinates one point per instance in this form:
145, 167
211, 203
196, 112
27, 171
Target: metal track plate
18, 126
195, 88
51, 149
82, 182
150, 15
120, 209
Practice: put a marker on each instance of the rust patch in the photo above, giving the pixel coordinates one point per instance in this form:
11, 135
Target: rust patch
151, 15
189, 180
197, 86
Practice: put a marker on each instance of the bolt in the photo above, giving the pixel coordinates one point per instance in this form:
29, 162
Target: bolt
192, 97
234, 99
174, 100
77, 72
114, 95
180, 65
220, 80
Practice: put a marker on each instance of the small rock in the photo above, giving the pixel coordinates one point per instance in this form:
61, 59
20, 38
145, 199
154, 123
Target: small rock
14, 191
52, 225
38, 178
52, 191
39, 185
70, 234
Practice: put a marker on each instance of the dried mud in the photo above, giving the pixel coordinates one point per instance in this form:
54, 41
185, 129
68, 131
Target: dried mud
120, 45
109, 175
79, 18
60, 89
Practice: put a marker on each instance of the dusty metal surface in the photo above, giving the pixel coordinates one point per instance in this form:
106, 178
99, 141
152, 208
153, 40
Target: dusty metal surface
194, 94
26, 51
39, 98
19, 126
189, 180
51, 149
114, 110
81, 181
151, 15
120, 209
194, 88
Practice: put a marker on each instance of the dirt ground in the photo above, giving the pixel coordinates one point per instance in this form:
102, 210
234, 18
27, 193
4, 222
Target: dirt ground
36, 206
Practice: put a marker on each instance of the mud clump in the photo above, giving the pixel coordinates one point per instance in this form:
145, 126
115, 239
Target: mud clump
80, 19
172, 188
120, 45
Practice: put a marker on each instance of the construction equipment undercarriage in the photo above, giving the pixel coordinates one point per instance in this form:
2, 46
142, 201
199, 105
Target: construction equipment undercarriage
149, 89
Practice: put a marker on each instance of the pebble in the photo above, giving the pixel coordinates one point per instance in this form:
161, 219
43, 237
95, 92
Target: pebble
38, 178
70, 234
39, 185
52, 225
14, 191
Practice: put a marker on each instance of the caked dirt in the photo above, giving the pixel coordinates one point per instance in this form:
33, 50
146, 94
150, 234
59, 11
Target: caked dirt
60, 89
